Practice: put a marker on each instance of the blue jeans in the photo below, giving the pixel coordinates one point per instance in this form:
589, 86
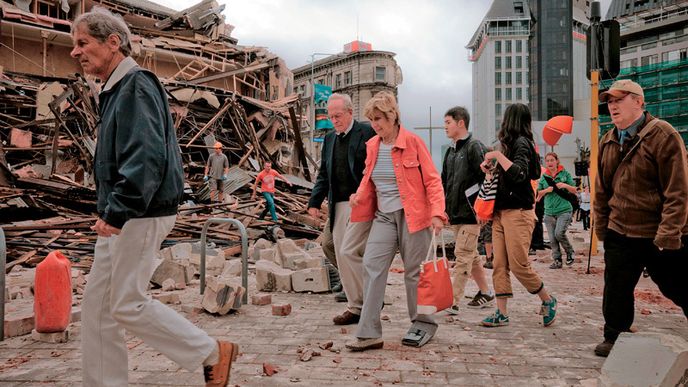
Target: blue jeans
269, 206
556, 228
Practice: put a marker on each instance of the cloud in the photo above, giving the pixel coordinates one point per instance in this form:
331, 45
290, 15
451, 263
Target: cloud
428, 37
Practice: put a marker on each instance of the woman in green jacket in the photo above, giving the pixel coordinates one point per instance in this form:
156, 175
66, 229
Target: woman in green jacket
554, 184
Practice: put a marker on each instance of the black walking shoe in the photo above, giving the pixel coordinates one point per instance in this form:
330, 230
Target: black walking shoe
555, 265
603, 348
481, 301
569, 259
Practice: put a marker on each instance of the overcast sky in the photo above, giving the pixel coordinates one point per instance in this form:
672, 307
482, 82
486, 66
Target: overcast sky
429, 38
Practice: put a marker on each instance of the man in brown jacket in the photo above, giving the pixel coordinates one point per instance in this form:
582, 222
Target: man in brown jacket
640, 206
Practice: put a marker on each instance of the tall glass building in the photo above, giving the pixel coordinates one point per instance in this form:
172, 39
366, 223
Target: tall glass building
557, 56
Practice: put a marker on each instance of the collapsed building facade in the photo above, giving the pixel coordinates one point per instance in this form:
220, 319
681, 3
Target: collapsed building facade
218, 91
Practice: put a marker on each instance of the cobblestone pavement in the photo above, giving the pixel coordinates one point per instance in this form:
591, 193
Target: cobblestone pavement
462, 353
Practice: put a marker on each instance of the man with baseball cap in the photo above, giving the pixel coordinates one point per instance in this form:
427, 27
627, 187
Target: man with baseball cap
640, 208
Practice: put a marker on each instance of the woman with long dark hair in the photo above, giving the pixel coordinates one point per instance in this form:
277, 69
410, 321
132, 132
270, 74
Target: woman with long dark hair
516, 164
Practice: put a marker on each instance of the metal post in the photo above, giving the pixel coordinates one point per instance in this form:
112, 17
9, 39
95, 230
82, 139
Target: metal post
244, 252
430, 126
3, 256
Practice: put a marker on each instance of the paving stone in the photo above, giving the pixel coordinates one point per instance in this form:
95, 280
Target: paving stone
521, 354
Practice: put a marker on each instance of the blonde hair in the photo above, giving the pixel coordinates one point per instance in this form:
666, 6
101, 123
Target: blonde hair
384, 102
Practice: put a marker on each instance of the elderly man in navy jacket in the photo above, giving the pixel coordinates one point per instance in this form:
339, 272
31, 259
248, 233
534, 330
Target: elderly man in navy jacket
341, 169
140, 182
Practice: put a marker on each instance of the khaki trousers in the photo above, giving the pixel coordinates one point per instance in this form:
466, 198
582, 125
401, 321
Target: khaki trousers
349, 244
466, 252
388, 233
116, 300
511, 234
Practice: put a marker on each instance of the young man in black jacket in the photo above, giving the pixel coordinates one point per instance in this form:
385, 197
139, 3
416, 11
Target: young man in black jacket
461, 178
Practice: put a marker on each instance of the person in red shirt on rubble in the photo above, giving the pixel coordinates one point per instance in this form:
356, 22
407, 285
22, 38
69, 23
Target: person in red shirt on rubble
267, 179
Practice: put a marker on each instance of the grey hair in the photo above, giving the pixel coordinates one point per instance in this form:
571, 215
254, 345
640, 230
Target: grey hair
342, 97
101, 23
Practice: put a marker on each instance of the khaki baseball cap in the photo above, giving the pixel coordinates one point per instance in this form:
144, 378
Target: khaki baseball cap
621, 88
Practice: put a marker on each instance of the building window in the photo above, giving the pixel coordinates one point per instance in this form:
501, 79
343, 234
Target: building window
338, 81
648, 60
507, 62
519, 46
380, 73
498, 110
347, 78
498, 62
51, 9
508, 93
507, 46
498, 93
519, 94
498, 47
519, 77
498, 78
507, 80
519, 61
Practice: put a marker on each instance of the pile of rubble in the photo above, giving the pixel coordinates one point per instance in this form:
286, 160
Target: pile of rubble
284, 266
218, 92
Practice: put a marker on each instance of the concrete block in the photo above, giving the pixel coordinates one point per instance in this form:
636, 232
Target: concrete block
646, 359
269, 255
232, 268
214, 259
307, 263
257, 247
281, 309
169, 269
287, 246
315, 280
289, 259
222, 295
270, 277
55, 337
181, 251
261, 299
168, 285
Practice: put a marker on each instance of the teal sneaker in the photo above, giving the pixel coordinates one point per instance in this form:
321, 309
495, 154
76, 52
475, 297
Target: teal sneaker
496, 320
549, 311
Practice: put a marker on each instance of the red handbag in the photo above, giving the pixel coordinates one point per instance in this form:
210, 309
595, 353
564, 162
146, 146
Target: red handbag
484, 204
434, 286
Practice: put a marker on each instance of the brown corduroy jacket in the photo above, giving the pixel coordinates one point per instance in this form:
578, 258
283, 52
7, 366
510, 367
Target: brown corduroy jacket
642, 192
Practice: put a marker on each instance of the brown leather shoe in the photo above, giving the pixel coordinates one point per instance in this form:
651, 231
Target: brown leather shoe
218, 374
346, 318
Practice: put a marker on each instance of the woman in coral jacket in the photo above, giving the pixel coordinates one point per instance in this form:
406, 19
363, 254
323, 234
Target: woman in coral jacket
401, 192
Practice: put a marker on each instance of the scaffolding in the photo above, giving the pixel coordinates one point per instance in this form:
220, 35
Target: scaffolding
665, 86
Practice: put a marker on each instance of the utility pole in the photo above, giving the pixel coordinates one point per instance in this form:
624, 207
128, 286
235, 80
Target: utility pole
595, 16
429, 128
